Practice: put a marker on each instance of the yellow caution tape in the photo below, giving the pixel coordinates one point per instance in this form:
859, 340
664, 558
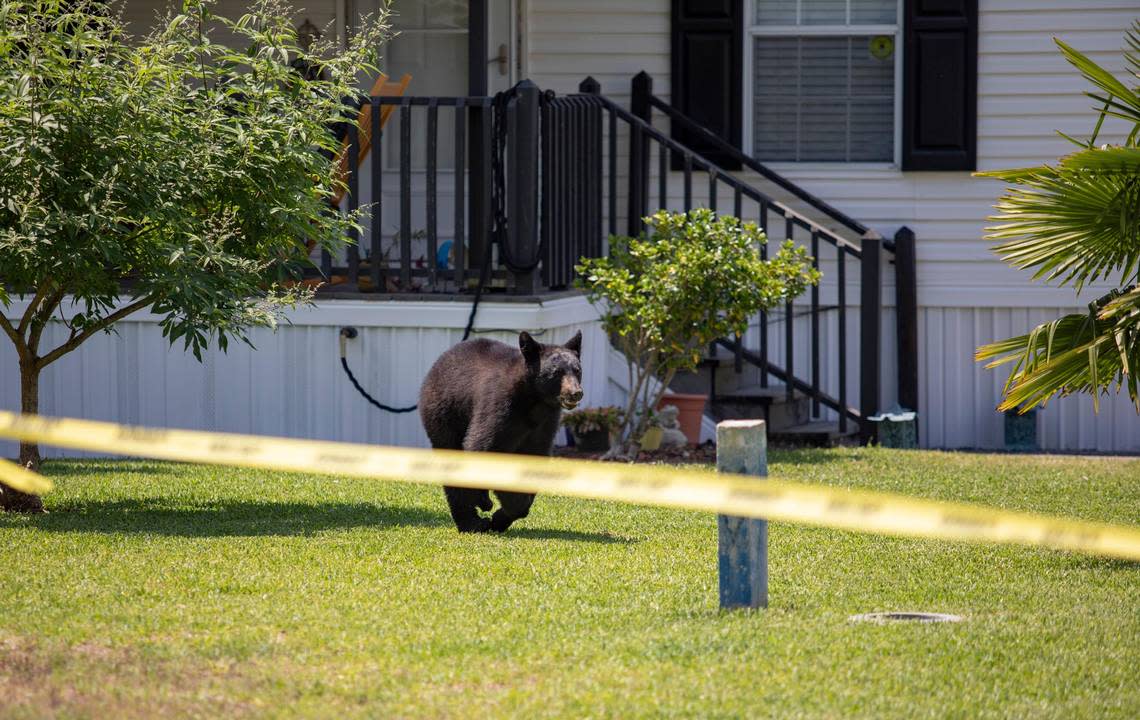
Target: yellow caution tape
692, 489
23, 479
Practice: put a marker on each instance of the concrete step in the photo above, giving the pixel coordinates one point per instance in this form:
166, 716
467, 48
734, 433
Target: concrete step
771, 403
816, 433
727, 379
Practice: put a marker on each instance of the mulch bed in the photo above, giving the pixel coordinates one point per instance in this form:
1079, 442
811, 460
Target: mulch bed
692, 455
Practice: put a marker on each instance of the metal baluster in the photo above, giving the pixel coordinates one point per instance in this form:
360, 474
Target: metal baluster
432, 193
353, 250
376, 225
763, 215
789, 324
688, 182
460, 194
613, 171
815, 388
712, 190
662, 177
405, 196
841, 280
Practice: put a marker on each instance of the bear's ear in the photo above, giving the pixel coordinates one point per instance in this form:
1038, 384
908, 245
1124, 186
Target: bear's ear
574, 344
531, 350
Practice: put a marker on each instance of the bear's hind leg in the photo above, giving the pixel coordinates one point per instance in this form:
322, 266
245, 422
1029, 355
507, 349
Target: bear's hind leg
463, 503
512, 506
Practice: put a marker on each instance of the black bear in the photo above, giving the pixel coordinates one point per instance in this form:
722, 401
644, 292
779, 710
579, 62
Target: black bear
485, 396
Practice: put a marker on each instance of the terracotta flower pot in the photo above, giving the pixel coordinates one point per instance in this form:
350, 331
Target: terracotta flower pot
692, 409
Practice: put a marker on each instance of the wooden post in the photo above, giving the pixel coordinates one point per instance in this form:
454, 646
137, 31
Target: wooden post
742, 447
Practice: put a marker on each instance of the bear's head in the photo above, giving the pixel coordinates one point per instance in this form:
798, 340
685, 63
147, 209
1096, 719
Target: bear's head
554, 371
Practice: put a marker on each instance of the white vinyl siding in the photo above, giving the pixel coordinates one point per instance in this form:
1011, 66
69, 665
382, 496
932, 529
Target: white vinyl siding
966, 295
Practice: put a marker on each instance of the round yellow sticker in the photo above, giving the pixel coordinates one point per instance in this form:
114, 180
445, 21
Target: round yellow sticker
882, 46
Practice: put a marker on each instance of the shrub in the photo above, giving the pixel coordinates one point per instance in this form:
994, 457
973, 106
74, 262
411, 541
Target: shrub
590, 419
169, 172
690, 279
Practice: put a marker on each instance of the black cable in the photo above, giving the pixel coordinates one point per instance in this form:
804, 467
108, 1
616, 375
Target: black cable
369, 398
498, 235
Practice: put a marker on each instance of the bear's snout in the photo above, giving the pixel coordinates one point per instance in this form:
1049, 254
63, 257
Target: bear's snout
571, 393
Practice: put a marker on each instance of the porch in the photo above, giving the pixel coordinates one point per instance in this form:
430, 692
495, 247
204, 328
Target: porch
502, 195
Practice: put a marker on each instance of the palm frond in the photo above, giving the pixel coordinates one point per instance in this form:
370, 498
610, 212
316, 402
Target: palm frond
1088, 352
1124, 99
1132, 54
1075, 223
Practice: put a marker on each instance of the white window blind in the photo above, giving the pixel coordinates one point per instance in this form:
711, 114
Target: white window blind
823, 80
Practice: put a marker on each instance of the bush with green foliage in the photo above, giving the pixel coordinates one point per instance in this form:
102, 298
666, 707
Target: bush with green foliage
592, 419
690, 279
168, 172
1078, 222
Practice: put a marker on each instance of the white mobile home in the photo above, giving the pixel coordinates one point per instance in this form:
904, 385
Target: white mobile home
852, 126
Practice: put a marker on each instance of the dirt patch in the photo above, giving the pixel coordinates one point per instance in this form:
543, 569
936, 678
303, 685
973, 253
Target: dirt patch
94, 679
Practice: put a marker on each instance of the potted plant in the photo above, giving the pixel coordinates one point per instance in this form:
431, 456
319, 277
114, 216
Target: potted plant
593, 428
690, 279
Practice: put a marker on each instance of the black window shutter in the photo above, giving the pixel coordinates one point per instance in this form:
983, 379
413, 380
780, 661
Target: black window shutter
940, 85
707, 72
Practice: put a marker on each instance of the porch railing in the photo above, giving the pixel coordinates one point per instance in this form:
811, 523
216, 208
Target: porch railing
547, 194
555, 173
770, 214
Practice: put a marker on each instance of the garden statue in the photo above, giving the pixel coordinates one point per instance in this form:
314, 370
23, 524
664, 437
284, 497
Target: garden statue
672, 435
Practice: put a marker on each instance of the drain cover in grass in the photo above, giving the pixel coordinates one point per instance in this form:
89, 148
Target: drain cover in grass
882, 617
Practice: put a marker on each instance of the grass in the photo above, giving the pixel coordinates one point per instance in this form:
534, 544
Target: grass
159, 589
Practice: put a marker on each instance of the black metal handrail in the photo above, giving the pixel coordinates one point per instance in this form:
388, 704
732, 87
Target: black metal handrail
695, 162
643, 85
641, 134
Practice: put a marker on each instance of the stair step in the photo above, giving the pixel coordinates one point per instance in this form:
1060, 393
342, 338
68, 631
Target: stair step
718, 361
757, 395
816, 432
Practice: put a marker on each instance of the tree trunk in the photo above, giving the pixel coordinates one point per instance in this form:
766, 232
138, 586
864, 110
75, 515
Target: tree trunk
14, 500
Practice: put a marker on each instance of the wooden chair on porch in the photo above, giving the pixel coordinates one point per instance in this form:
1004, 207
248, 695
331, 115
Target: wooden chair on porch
381, 88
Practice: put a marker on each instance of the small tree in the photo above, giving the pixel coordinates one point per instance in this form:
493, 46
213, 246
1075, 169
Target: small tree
691, 279
172, 173
1074, 223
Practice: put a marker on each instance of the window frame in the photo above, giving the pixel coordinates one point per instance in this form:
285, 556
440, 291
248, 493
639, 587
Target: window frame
753, 31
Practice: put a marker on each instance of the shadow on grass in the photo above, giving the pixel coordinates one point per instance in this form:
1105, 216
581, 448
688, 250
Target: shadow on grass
252, 519
229, 518
528, 533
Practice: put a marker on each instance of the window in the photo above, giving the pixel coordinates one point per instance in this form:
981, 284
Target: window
822, 77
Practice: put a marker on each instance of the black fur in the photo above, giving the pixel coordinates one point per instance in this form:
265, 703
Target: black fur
486, 396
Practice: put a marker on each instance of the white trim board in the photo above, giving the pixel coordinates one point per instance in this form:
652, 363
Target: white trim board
539, 314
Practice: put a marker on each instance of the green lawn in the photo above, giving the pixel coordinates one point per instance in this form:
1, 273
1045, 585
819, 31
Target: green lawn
167, 590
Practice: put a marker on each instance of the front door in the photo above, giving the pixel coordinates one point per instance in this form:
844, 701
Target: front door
438, 40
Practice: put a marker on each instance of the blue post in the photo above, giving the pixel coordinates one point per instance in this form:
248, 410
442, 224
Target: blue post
742, 447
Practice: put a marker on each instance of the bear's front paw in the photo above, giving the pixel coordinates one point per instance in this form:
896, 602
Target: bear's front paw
484, 502
500, 521
479, 525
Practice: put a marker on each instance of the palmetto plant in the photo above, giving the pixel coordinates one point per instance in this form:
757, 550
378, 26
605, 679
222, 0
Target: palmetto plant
1075, 223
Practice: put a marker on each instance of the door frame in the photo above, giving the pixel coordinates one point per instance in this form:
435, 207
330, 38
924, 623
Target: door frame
478, 21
